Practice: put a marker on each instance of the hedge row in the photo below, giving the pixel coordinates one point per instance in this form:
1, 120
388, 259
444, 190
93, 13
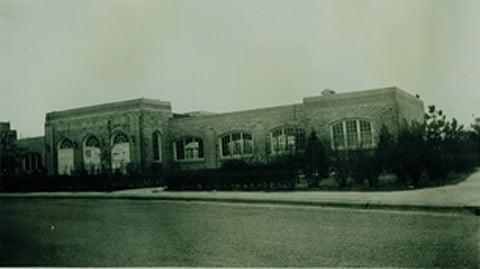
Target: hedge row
248, 179
76, 183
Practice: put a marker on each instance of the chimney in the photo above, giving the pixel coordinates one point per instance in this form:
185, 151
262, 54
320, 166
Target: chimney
328, 92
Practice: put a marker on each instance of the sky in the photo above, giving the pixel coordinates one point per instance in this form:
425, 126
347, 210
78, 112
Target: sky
229, 55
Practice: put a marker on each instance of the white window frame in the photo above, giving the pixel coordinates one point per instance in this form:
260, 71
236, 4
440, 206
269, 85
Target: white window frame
358, 134
231, 144
286, 140
195, 159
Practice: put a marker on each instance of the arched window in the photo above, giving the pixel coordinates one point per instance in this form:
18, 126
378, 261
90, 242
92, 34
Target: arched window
188, 148
120, 151
92, 141
92, 155
286, 140
156, 147
236, 144
65, 157
66, 144
120, 138
352, 133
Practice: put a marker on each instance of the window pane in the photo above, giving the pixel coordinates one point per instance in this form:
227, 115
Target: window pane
92, 142
236, 136
200, 148
66, 144
338, 138
289, 131
291, 143
366, 133
364, 126
236, 147
191, 149
120, 138
277, 133
225, 145
352, 135
282, 143
300, 138
248, 147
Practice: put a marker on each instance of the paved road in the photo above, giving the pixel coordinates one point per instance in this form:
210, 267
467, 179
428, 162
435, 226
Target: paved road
116, 232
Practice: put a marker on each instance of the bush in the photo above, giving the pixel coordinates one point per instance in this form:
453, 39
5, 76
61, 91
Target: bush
234, 175
329, 184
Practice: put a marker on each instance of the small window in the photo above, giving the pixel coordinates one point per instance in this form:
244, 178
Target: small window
156, 147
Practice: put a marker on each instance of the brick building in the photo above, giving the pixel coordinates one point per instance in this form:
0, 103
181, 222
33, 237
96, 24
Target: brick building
144, 134
8, 140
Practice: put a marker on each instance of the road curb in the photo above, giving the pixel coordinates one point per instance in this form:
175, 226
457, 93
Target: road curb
366, 205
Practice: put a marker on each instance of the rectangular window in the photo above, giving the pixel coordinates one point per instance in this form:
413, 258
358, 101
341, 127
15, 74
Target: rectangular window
366, 133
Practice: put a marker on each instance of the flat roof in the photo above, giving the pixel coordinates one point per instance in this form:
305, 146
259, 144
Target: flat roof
109, 107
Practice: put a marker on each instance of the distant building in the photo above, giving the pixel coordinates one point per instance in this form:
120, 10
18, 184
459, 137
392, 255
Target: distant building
143, 134
8, 140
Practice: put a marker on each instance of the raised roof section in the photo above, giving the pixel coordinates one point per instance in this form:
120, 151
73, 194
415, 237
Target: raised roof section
359, 94
111, 107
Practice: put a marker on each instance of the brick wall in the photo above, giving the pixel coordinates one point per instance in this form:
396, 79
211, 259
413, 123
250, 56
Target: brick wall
258, 123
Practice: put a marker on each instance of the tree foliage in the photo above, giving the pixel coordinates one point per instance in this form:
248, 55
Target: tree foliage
316, 161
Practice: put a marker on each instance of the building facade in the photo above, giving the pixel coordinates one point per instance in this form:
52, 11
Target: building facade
144, 134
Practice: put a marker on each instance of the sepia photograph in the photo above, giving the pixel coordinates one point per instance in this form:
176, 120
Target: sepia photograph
240, 133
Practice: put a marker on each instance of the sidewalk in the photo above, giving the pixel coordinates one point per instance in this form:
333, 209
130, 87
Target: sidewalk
464, 196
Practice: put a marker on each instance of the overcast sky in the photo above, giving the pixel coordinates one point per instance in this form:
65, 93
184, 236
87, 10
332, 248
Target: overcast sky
225, 55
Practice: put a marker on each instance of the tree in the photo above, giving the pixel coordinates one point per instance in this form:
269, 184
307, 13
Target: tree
316, 159
10, 153
408, 153
384, 150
